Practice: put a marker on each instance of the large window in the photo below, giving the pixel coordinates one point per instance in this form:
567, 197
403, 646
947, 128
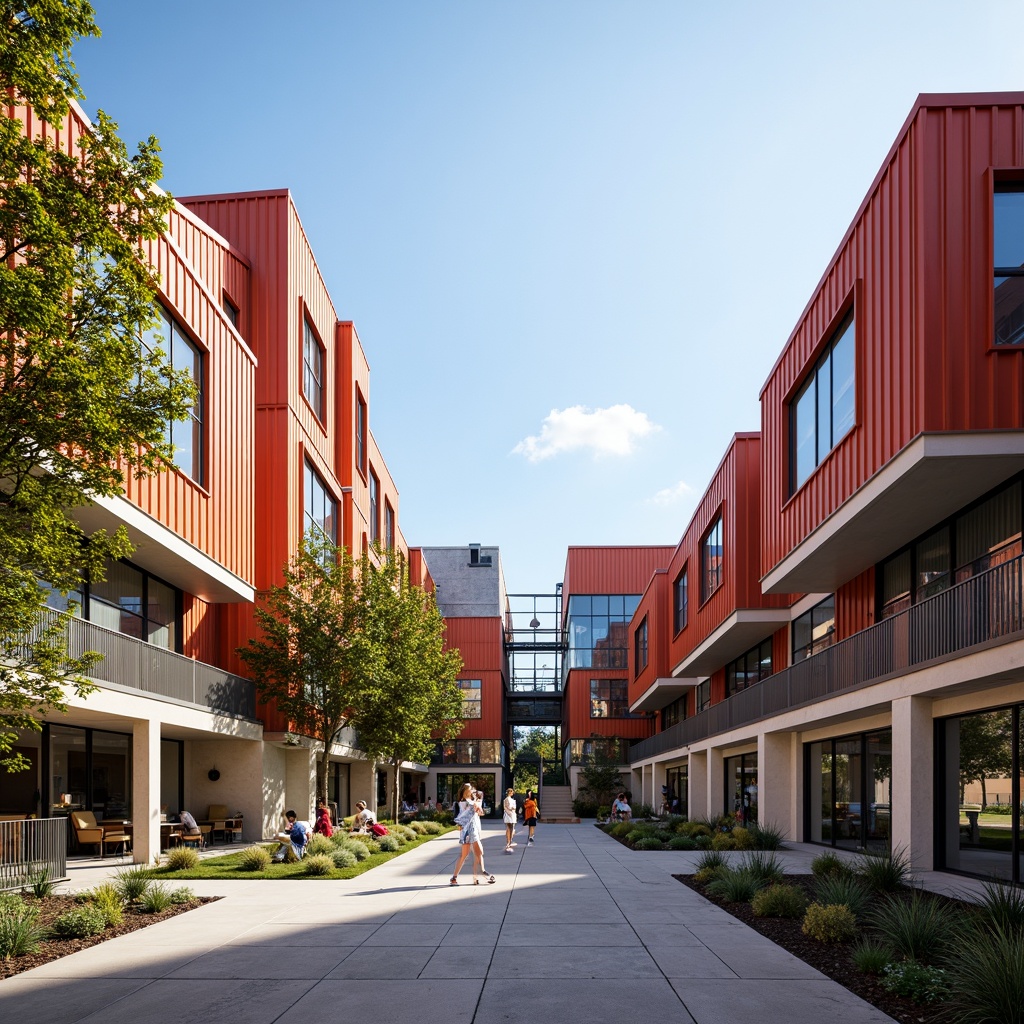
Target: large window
597, 628
180, 354
849, 791
702, 696
135, 603
673, 713
389, 526
470, 752
374, 508
360, 433
979, 538
609, 698
681, 601
312, 368
470, 697
749, 668
612, 747
711, 556
321, 510
640, 648
741, 788
1008, 264
814, 630
823, 411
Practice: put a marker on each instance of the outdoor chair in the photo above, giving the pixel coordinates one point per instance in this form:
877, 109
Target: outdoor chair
86, 829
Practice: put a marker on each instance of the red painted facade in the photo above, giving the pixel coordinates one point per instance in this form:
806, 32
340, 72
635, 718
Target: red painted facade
480, 641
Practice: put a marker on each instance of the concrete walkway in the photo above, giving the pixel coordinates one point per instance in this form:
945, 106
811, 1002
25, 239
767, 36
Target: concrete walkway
578, 928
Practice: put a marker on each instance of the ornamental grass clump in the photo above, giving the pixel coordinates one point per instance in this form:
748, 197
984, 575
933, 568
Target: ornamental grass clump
107, 901
779, 901
886, 871
20, 933
767, 835
182, 894
1002, 908
763, 866
358, 850
318, 864
870, 956
621, 829
131, 883
847, 890
917, 928
986, 981
734, 886
432, 828
829, 865
388, 844
182, 858
681, 843
829, 923
156, 899
649, 843
319, 844
256, 858
79, 923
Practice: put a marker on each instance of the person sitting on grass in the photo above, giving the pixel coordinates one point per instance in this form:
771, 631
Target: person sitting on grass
364, 818
293, 837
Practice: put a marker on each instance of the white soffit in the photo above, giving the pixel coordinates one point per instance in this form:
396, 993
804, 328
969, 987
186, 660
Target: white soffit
744, 629
661, 693
933, 477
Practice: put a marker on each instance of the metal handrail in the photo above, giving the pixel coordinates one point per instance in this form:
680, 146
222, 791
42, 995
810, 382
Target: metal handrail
985, 609
31, 846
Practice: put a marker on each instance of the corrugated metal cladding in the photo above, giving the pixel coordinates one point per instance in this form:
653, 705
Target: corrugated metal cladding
612, 570
734, 493
916, 267
576, 720
655, 607
855, 604
480, 642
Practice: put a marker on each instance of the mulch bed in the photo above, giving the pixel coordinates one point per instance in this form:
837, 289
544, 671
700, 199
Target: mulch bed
51, 907
832, 960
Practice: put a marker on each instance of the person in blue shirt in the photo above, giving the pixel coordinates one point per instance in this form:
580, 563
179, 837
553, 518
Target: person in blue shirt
295, 836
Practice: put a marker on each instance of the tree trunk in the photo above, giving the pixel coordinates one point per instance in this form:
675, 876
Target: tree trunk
322, 772
395, 762
984, 794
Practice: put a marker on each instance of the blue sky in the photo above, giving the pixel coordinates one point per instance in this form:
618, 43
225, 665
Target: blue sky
573, 235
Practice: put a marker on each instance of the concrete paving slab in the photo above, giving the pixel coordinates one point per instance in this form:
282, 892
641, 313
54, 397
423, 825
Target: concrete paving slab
433, 1001
409, 935
517, 933
509, 1001
479, 934
123, 961
608, 962
371, 963
34, 999
293, 934
689, 962
459, 962
796, 1002
269, 961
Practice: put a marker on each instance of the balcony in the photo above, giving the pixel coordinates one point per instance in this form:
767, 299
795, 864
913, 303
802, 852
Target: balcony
985, 610
159, 673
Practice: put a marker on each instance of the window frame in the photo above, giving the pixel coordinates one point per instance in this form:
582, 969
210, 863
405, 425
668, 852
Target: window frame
828, 639
709, 575
310, 473
311, 340
681, 600
1003, 187
472, 702
755, 656
845, 327
361, 427
374, 503
389, 526
640, 652
89, 598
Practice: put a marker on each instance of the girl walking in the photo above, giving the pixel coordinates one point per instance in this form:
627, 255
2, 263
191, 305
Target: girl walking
470, 839
509, 817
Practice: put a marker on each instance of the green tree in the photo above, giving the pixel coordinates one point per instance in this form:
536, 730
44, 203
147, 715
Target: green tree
409, 697
307, 658
83, 403
986, 749
601, 777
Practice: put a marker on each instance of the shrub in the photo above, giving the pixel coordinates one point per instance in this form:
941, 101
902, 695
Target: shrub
918, 928
42, 885
847, 890
183, 894
432, 828
703, 842
358, 850
156, 899
734, 886
765, 867
723, 841
12, 905
131, 883
405, 832
362, 837
779, 901
710, 859
319, 844
345, 858
643, 811
919, 982
584, 808
418, 827
256, 858
987, 981
870, 956
829, 865
706, 875
107, 901
693, 828
681, 843
388, 844
649, 843
182, 858
767, 835
80, 923
318, 864
742, 838
829, 923
887, 871
19, 932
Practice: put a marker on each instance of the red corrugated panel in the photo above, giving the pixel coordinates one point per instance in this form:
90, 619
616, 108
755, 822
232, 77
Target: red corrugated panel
655, 607
480, 642
855, 604
734, 493
576, 720
612, 570
917, 265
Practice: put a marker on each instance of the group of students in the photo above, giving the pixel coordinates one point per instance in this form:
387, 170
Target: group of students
621, 811
297, 833
469, 809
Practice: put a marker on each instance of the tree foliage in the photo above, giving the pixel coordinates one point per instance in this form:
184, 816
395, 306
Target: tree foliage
986, 749
409, 697
601, 776
82, 401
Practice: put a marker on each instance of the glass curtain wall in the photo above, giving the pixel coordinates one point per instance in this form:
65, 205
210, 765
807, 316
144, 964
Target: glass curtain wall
677, 780
980, 763
448, 787
91, 770
741, 787
849, 790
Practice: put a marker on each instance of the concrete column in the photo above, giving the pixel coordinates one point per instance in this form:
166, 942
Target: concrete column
777, 782
715, 783
697, 780
145, 790
363, 786
913, 760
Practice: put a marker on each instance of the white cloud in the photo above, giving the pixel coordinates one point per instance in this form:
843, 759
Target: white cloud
670, 495
611, 431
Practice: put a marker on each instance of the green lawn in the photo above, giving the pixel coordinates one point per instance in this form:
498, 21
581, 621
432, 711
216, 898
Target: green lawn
227, 866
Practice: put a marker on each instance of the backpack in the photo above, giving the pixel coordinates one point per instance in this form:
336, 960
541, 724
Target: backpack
379, 830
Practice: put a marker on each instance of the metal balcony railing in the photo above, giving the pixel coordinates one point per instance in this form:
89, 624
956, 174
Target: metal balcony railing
163, 674
30, 847
985, 609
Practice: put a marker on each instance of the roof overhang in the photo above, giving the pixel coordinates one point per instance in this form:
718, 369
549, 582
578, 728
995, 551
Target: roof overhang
661, 693
742, 630
930, 479
162, 552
